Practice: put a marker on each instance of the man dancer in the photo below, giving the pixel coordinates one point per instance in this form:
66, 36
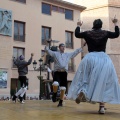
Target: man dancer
61, 61
22, 66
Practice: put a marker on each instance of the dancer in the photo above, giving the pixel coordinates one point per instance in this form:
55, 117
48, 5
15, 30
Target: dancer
96, 78
61, 61
22, 66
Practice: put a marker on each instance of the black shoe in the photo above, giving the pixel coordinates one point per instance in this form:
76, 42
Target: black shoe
21, 100
60, 103
14, 98
54, 97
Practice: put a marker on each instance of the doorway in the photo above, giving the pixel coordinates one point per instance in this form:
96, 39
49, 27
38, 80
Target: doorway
15, 86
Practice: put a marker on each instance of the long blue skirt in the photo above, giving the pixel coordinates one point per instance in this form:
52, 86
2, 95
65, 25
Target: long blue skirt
97, 78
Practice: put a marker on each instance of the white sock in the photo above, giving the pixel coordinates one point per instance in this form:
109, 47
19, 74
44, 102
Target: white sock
24, 91
19, 92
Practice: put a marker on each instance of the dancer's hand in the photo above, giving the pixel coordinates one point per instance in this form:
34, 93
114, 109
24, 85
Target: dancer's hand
79, 23
115, 20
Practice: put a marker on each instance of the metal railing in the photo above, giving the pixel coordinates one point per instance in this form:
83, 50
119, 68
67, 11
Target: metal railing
69, 45
19, 38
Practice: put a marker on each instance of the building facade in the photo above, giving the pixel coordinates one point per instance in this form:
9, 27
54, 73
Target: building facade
105, 10
25, 25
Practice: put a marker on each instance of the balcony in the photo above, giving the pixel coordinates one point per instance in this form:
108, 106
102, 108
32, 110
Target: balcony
19, 38
69, 45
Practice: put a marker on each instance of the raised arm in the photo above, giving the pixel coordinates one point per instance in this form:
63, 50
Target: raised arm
50, 52
79, 34
29, 61
116, 33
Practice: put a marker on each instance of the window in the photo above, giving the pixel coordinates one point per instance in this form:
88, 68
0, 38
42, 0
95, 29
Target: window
17, 52
23, 1
71, 65
69, 39
61, 10
46, 8
68, 14
58, 9
46, 34
54, 8
19, 31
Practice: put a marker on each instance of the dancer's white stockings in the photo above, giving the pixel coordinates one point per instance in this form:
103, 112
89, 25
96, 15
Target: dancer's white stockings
55, 86
21, 92
62, 92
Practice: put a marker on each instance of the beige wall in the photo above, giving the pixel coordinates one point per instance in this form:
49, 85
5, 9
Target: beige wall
25, 13
100, 9
30, 13
91, 4
112, 2
114, 44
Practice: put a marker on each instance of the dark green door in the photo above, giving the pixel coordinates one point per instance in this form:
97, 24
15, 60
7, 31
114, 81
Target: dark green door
15, 86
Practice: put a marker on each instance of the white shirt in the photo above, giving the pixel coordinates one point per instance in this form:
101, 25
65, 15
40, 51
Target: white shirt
61, 60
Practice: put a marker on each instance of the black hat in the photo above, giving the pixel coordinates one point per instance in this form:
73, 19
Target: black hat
97, 24
61, 44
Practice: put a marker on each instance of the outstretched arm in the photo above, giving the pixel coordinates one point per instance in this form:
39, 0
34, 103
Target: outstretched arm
77, 51
50, 52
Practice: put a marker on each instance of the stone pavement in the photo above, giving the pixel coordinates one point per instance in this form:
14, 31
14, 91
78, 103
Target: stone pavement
46, 110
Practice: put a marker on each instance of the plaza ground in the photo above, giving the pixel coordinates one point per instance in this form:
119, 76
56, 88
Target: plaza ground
46, 110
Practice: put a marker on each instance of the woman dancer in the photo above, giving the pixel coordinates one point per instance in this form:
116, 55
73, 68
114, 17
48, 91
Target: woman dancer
96, 79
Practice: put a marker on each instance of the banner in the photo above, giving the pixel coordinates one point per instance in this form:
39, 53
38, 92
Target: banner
3, 79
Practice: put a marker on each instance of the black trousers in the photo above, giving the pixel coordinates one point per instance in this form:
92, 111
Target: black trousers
61, 78
23, 81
